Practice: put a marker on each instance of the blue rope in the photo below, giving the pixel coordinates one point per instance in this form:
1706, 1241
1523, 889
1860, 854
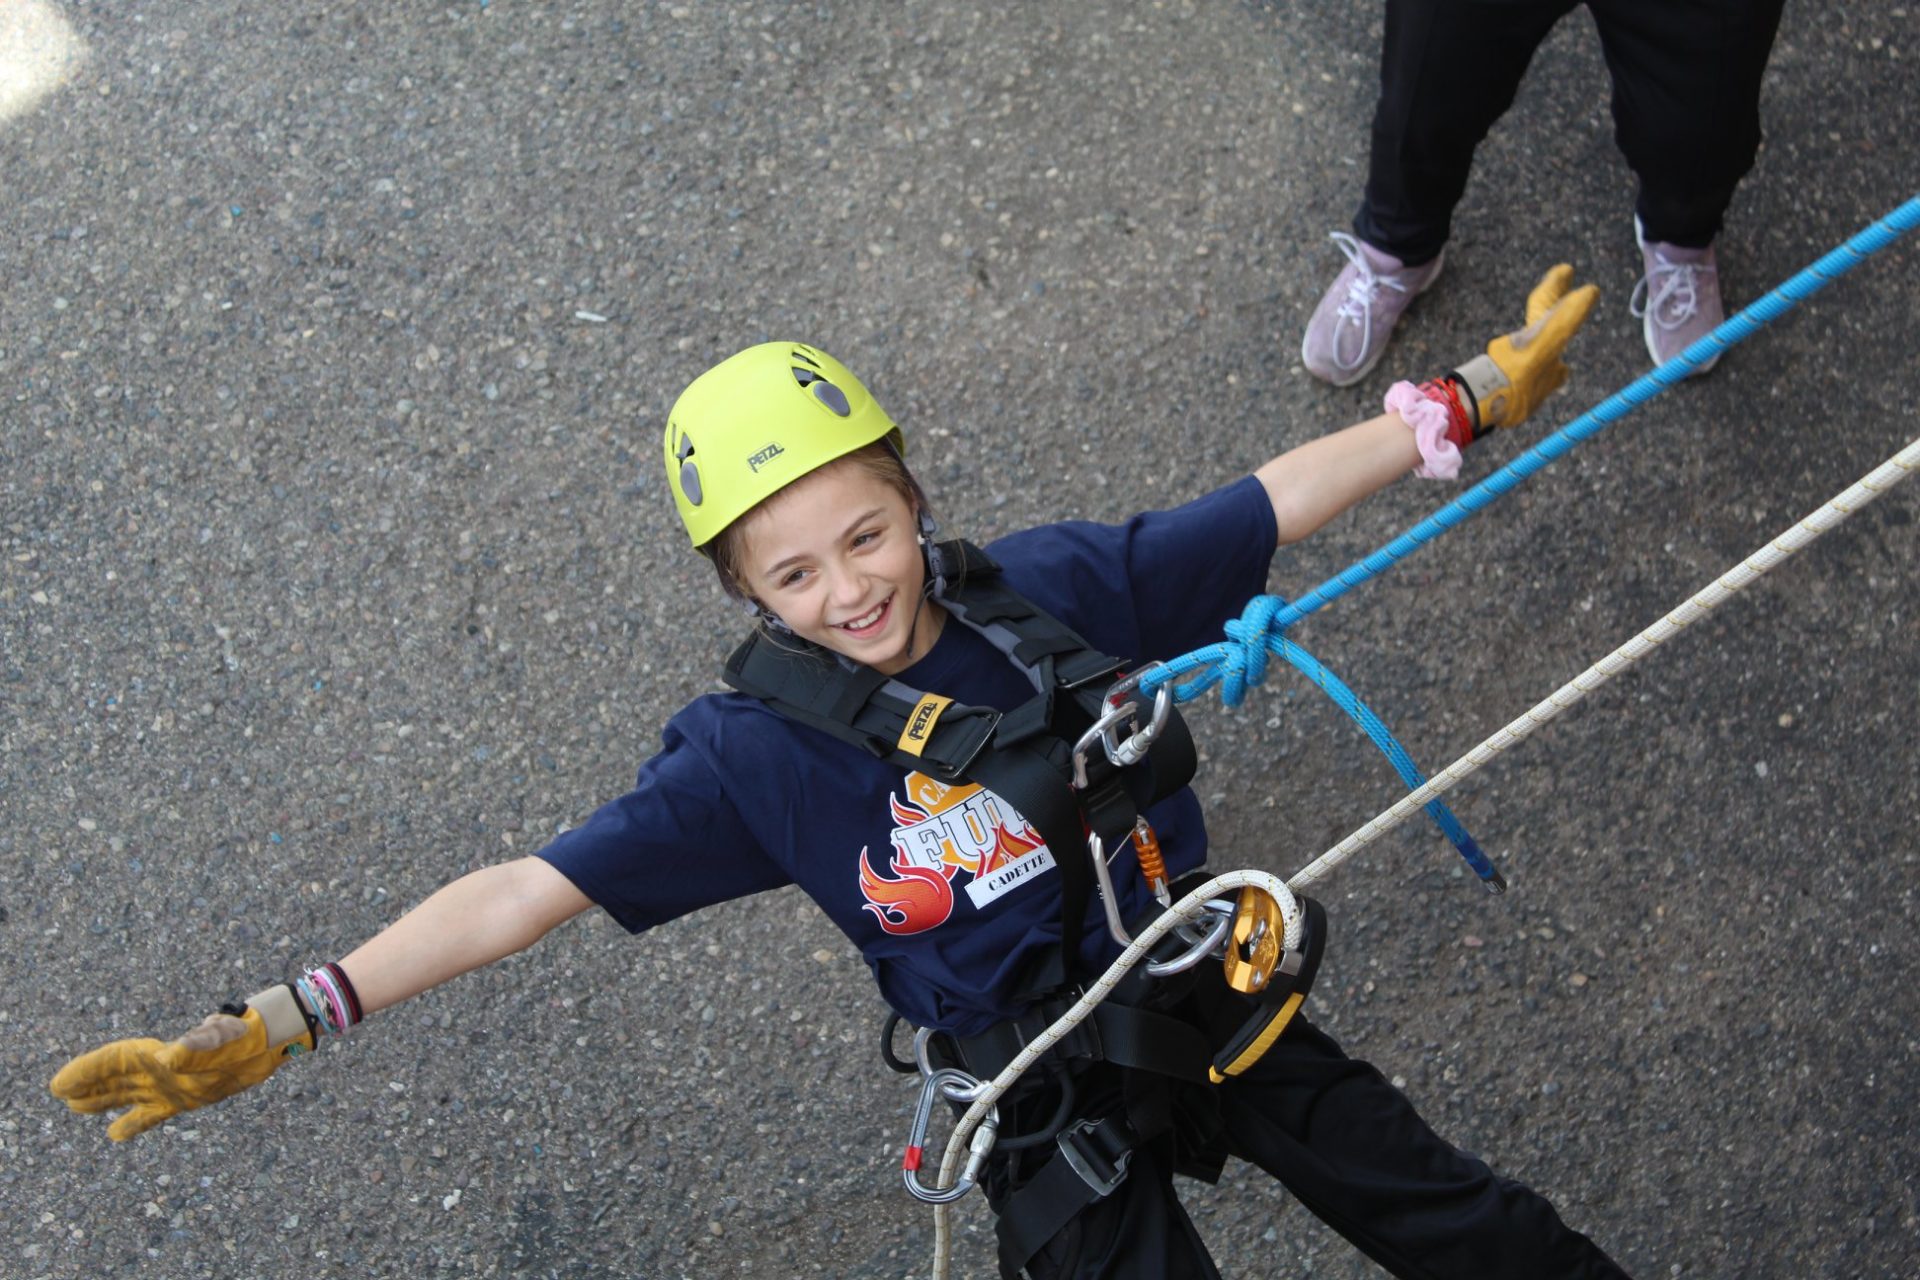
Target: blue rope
1241, 662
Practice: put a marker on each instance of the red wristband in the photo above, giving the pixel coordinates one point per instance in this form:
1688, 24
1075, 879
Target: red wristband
1461, 428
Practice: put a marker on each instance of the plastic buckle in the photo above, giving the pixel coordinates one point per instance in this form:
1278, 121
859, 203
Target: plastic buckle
1080, 1154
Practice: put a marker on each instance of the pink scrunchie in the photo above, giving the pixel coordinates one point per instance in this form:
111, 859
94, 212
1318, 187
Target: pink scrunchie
1428, 418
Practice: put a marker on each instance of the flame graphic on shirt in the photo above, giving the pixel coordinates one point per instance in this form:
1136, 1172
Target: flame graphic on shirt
920, 899
940, 831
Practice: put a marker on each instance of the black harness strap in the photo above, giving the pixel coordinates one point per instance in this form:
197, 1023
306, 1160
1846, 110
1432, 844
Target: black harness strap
1125, 1035
1090, 1163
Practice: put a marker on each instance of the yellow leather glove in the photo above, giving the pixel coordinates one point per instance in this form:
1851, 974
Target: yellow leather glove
1523, 368
157, 1080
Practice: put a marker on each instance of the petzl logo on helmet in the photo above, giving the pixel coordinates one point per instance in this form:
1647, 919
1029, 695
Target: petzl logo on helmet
926, 714
766, 455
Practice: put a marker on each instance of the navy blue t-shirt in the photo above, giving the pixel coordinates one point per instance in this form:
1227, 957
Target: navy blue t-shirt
947, 891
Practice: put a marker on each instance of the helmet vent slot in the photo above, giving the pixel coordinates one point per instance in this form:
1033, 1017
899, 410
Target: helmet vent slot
689, 470
823, 391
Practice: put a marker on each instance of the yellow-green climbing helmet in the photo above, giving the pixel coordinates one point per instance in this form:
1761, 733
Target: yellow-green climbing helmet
758, 421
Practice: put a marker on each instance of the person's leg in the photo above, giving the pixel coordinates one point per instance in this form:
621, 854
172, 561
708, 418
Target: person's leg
1352, 1149
1686, 104
1138, 1232
1686, 111
1448, 69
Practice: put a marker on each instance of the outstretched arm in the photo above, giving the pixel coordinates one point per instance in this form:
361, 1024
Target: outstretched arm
1312, 484
1317, 481
474, 921
481, 917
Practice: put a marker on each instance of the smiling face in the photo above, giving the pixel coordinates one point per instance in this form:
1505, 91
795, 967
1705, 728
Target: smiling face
836, 555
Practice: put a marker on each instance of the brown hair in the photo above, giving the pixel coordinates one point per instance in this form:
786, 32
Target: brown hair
878, 460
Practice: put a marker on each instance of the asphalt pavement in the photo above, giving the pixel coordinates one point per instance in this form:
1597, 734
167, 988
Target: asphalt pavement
335, 344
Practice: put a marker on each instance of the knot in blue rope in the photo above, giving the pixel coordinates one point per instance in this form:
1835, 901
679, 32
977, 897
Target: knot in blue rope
1236, 665
1245, 660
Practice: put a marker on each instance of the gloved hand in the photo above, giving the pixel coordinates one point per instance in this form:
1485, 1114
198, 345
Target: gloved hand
1523, 368
158, 1080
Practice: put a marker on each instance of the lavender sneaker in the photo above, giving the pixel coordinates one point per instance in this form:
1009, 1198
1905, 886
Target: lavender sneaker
1350, 328
1678, 299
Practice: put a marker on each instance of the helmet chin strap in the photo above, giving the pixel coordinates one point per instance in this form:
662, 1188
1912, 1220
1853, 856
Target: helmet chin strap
935, 584
930, 552
767, 617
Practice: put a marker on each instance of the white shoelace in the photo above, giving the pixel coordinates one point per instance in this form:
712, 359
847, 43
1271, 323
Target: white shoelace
1670, 292
1359, 304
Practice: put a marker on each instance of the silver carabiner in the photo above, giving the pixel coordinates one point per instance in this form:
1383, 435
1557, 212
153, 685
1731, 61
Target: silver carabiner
1204, 945
952, 1083
1100, 733
1201, 945
1097, 850
1134, 747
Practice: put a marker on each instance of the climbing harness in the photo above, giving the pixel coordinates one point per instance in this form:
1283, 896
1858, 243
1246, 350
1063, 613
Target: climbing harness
1080, 761
1261, 629
1059, 1189
1767, 558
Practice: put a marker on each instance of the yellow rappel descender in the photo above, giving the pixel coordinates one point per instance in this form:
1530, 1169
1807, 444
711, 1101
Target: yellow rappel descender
1259, 966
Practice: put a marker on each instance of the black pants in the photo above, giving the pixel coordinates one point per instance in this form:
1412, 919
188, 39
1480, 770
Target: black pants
1686, 106
1351, 1148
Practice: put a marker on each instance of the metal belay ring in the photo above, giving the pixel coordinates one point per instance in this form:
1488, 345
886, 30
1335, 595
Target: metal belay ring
1204, 945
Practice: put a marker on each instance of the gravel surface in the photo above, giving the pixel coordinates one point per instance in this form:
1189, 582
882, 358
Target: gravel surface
333, 354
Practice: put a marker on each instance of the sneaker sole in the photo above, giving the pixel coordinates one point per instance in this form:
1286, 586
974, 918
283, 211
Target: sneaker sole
1360, 374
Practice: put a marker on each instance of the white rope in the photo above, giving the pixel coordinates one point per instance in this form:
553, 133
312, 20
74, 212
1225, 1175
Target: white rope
1730, 583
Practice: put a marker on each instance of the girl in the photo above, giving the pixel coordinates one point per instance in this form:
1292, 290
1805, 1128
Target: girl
930, 825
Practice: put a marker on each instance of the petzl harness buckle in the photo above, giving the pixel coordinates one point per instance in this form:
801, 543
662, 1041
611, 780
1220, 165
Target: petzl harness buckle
1285, 989
1098, 1151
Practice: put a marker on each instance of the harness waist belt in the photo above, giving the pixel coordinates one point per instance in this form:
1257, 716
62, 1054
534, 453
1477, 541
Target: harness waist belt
1124, 1035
